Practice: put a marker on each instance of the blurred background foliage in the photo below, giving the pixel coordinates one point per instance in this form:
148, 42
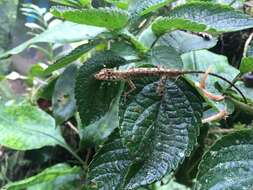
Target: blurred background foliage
17, 26
8, 12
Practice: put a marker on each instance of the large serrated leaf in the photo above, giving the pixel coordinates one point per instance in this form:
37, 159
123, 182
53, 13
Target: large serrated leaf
94, 97
110, 164
201, 17
48, 175
103, 17
228, 164
24, 127
160, 131
142, 7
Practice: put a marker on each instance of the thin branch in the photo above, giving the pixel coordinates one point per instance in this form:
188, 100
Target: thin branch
71, 126
222, 78
221, 115
246, 45
220, 130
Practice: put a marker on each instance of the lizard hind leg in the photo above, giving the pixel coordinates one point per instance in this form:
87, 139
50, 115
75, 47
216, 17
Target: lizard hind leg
132, 88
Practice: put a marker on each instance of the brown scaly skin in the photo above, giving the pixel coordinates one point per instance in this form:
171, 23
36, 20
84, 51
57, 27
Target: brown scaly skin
112, 74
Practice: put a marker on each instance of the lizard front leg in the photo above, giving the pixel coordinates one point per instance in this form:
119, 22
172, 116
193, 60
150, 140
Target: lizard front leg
161, 85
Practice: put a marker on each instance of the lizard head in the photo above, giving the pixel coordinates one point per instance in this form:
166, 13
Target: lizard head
105, 74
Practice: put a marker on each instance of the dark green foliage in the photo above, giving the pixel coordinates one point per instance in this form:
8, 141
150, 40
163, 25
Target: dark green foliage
149, 139
94, 97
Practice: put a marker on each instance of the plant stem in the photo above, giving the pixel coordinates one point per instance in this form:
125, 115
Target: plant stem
69, 149
241, 106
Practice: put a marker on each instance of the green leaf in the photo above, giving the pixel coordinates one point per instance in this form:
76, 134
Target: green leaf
63, 100
134, 41
67, 2
66, 182
147, 37
24, 127
200, 16
160, 131
46, 91
163, 25
246, 65
97, 132
142, 7
171, 185
124, 50
36, 70
69, 58
166, 56
65, 32
6, 91
109, 166
228, 164
94, 97
47, 175
111, 19
247, 91
185, 42
203, 59
122, 4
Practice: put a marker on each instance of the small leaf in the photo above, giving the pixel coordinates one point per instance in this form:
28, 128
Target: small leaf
47, 175
97, 132
109, 166
228, 164
62, 33
69, 58
160, 131
103, 17
63, 100
185, 42
167, 57
147, 37
246, 65
134, 41
124, 50
94, 97
122, 4
163, 25
67, 2
24, 127
46, 91
202, 16
142, 7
